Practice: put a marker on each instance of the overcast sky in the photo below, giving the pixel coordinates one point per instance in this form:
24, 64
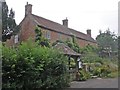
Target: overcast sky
82, 14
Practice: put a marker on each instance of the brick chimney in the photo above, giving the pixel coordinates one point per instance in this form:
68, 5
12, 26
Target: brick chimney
65, 22
28, 9
89, 32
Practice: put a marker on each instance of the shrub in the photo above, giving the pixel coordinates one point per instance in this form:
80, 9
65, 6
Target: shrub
102, 71
97, 71
102, 67
91, 57
113, 75
83, 75
32, 66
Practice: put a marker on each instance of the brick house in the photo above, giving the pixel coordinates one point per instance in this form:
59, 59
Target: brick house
50, 29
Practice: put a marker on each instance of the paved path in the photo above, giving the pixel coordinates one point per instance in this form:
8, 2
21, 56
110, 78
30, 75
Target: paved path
96, 83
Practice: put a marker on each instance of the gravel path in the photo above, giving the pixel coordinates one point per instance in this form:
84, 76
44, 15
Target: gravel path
96, 83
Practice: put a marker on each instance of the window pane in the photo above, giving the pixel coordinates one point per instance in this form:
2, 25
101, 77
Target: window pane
16, 39
59, 36
48, 35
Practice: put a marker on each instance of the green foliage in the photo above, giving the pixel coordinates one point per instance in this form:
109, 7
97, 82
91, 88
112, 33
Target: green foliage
4, 15
72, 63
102, 71
72, 44
107, 39
113, 75
101, 67
40, 39
91, 57
32, 66
83, 75
119, 52
12, 23
105, 69
89, 49
9, 26
1, 64
57, 41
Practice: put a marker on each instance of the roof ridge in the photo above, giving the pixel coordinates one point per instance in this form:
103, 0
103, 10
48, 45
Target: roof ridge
59, 27
77, 31
48, 20
59, 24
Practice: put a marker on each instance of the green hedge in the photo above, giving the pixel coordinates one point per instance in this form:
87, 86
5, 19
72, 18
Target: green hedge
32, 66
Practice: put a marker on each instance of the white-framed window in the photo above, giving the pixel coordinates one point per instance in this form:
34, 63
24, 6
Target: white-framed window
16, 39
48, 34
59, 36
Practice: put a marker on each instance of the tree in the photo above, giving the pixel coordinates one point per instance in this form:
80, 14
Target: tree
107, 41
119, 53
4, 16
118, 42
9, 26
11, 21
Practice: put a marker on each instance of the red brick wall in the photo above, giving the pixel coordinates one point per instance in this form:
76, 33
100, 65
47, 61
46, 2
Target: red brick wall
65, 37
83, 43
28, 27
55, 35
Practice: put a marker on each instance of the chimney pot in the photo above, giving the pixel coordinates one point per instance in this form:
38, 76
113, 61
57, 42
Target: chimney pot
28, 9
65, 22
89, 32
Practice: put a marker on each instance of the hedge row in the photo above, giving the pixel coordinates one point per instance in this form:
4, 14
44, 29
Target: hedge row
32, 66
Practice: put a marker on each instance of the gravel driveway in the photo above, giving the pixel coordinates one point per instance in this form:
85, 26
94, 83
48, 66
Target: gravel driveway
96, 83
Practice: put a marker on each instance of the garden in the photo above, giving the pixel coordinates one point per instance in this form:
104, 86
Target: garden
38, 65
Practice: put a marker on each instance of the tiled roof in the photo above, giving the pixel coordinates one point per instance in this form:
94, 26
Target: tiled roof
60, 28
81, 35
65, 49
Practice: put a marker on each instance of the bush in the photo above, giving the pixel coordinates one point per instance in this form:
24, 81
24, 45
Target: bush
113, 75
104, 71
102, 67
83, 75
97, 71
32, 66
